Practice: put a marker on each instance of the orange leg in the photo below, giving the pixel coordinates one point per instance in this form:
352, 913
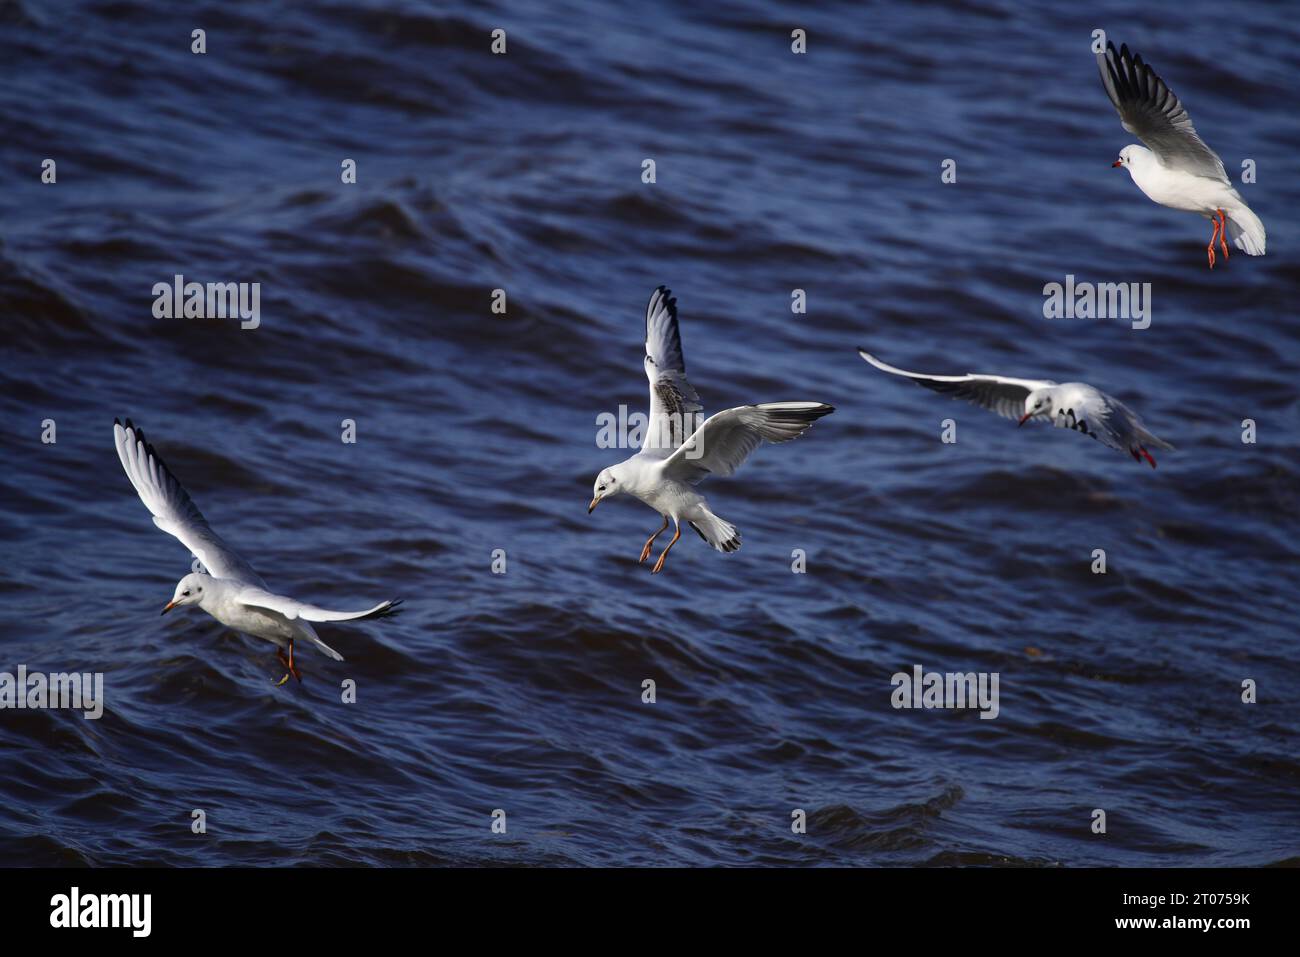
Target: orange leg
645, 552
660, 564
290, 667
1223, 233
1209, 250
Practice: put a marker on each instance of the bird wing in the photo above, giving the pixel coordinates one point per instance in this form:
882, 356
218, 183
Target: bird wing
292, 609
1151, 111
172, 509
996, 393
724, 441
674, 404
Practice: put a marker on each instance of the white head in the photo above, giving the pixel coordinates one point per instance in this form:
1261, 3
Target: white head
190, 590
1130, 156
1038, 402
612, 481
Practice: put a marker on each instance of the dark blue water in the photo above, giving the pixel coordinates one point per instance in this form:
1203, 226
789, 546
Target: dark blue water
476, 432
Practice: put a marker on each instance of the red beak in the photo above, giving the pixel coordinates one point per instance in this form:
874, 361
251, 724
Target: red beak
1116, 163
1026, 417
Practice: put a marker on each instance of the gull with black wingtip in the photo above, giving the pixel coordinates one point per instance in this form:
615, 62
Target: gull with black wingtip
233, 593
1067, 405
1175, 168
675, 456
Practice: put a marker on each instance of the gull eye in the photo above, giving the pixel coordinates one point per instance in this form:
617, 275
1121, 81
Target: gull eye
186, 594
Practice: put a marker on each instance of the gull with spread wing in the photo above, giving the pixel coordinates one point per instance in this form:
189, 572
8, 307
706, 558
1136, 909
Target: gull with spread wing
1175, 168
676, 456
1068, 405
231, 592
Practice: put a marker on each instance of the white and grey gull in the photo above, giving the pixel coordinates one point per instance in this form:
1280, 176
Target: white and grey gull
675, 456
1067, 405
231, 591
1175, 168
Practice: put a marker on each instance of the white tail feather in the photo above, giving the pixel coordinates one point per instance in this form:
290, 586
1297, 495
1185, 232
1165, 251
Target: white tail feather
324, 648
721, 535
1246, 230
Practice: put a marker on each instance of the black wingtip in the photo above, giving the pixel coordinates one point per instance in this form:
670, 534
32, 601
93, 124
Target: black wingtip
670, 301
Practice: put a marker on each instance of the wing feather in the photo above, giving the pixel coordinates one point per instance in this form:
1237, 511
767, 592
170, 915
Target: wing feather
292, 609
172, 508
723, 443
1000, 394
1150, 110
674, 405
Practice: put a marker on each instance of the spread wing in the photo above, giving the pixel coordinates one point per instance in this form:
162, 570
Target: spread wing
292, 609
172, 509
674, 406
1151, 111
724, 441
998, 394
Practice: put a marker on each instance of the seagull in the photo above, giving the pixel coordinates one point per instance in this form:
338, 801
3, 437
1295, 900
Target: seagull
672, 461
233, 593
1069, 405
1175, 168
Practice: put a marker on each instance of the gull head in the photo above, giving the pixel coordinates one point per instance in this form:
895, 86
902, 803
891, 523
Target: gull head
1130, 156
1038, 402
607, 483
190, 590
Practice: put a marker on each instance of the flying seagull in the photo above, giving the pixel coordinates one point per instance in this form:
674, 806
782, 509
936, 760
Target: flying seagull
1069, 405
1175, 168
676, 456
232, 593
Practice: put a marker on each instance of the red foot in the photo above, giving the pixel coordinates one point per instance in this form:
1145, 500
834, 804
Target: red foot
289, 665
1145, 454
1223, 234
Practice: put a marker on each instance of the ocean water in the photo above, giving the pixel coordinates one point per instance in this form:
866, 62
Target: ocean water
476, 435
